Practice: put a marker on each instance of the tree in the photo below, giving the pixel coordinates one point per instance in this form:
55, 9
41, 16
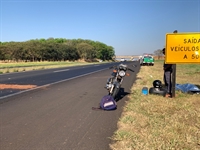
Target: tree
86, 51
158, 53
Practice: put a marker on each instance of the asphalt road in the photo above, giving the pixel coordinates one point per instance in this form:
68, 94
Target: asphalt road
48, 76
59, 116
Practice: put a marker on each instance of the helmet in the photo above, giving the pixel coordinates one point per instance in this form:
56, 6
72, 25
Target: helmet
157, 84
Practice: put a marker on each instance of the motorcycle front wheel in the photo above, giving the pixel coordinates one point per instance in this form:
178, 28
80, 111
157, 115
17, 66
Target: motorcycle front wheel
115, 92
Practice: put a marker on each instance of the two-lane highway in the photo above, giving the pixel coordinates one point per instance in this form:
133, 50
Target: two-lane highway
48, 76
59, 116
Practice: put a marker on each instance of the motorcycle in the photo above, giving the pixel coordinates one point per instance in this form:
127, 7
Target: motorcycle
114, 83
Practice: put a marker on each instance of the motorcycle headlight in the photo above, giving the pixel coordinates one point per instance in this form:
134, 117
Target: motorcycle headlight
122, 73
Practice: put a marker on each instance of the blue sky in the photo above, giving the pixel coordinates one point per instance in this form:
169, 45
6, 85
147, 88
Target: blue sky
131, 27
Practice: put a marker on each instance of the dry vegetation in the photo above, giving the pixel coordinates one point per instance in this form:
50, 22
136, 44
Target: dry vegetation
151, 122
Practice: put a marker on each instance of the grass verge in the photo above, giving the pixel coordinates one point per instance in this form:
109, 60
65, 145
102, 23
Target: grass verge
28, 66
152, 122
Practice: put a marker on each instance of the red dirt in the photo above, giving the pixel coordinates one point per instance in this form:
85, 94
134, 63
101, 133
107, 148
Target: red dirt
15, 86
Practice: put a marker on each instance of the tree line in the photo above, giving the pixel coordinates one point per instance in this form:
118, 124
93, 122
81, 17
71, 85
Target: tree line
55, 49
159, 54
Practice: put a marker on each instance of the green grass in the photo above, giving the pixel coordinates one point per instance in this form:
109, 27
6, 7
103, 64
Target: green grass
152, 122
35, 64
27, 66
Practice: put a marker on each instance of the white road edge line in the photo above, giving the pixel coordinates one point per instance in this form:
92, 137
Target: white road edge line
62, 70
38, 87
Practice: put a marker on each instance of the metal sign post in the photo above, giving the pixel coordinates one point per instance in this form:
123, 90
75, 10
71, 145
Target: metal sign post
174, 76
173, 80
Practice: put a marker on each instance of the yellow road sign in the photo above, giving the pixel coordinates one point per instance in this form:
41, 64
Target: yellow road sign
182, 48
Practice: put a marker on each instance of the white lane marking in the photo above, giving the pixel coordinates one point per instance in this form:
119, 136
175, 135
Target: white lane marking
62, 70
38, 87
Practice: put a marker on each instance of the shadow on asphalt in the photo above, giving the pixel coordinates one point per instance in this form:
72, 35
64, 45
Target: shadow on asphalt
121, 94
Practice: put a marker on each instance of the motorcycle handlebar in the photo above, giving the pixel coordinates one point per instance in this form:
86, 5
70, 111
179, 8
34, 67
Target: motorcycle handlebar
112, 67
130, 69
117, 66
